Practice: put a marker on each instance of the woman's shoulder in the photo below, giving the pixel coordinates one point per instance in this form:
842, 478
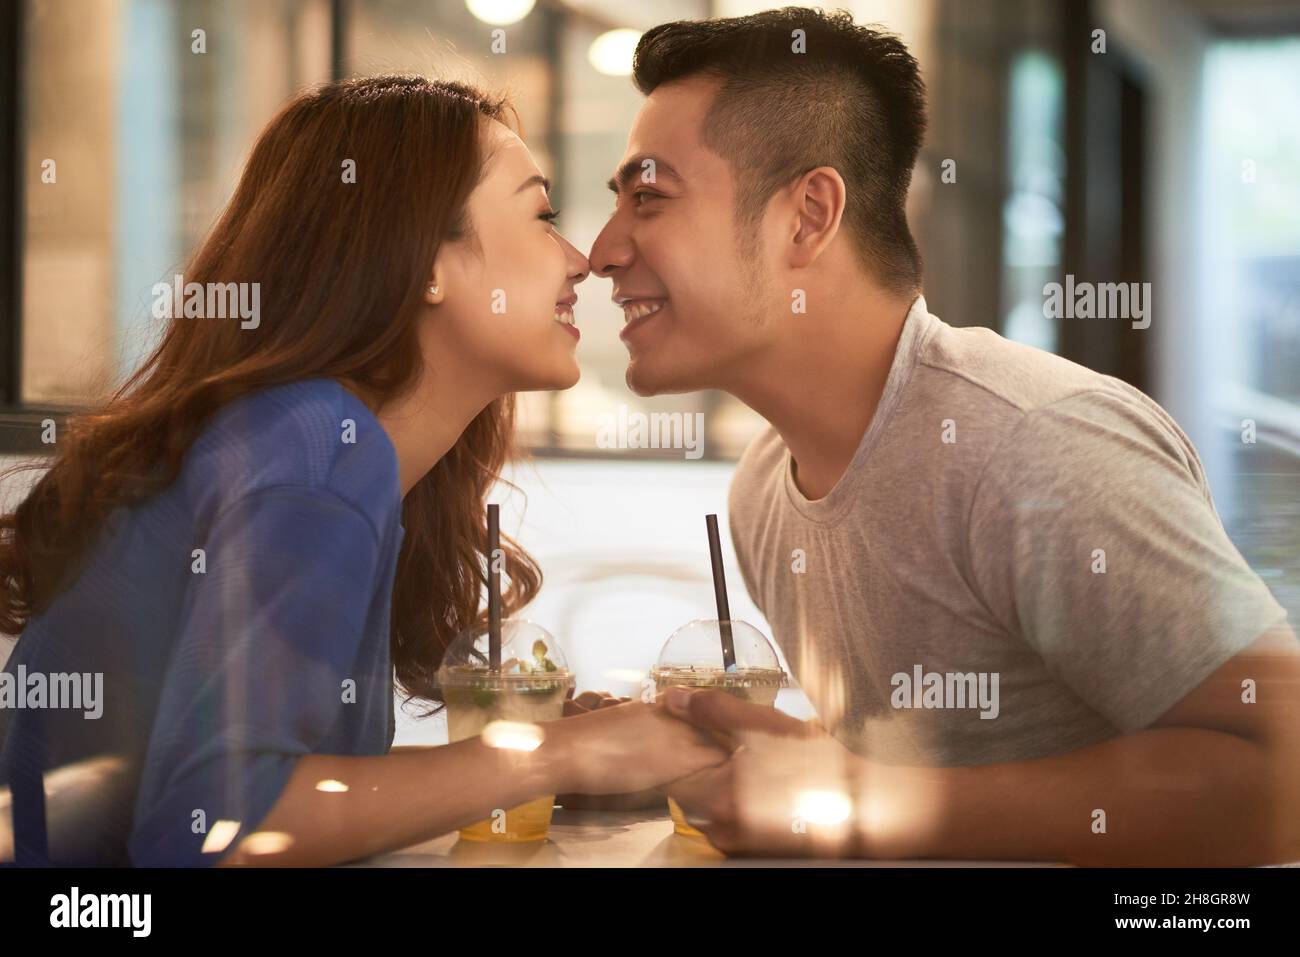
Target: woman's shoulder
311, 433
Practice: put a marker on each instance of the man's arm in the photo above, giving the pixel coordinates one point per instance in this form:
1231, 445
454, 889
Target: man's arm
1215, 781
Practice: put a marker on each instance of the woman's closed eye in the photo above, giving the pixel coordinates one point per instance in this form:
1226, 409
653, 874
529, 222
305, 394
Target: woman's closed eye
550, 215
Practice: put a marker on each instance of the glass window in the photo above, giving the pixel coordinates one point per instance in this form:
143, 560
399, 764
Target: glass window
1032, 213
1251, 285
139, 114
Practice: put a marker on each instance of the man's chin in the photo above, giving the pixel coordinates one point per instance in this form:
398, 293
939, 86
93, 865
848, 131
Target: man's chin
636, 382
645, 381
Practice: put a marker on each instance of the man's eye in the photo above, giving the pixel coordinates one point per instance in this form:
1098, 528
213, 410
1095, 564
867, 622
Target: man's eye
550, 215
640, 196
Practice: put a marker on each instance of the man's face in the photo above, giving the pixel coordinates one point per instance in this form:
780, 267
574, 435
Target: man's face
692, 301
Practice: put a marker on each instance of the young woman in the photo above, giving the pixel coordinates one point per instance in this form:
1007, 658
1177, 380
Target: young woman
276, 513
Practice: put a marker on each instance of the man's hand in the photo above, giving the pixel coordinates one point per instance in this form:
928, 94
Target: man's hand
786, 791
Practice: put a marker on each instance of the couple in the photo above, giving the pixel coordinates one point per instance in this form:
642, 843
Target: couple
262, 517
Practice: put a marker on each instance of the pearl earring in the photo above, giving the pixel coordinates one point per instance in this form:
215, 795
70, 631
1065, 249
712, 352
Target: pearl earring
433, 290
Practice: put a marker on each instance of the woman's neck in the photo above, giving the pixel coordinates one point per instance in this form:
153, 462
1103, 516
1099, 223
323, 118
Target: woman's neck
425, 423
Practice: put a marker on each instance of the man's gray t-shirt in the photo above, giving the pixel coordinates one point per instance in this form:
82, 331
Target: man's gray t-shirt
1007, 512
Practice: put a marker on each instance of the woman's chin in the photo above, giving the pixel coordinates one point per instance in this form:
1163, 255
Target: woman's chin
570, 376
562, 374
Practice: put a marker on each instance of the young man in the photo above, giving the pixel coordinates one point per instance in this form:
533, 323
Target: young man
998, 575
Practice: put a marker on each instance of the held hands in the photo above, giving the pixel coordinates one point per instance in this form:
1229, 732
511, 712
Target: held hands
788, 788
636, 800
628, 749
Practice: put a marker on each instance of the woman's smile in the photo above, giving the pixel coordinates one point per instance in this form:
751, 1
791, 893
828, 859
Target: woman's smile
564, 316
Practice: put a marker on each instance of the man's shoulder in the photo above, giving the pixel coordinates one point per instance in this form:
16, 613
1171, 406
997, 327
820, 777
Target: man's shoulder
1001, 386
311, 433
986, 367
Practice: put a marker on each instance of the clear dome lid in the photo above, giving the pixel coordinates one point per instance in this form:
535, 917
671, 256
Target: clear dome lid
697, 647
528, 653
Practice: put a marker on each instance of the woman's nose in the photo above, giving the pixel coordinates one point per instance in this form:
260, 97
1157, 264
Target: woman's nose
578, 266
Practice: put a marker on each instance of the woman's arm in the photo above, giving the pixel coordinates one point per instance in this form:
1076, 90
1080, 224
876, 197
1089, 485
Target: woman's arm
403, 798
395, 800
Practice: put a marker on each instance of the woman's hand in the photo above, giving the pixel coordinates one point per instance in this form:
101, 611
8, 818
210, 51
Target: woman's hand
630, 801
590, 701
628, 747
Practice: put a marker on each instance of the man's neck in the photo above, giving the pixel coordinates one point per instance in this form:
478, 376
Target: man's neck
822, 379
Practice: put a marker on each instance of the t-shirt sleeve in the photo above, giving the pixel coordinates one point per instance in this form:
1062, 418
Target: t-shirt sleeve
270, 630
1092, 537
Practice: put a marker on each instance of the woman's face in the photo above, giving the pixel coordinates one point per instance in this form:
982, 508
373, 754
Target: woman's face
506, 292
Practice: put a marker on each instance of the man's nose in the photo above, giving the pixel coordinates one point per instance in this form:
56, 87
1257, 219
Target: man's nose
611, 250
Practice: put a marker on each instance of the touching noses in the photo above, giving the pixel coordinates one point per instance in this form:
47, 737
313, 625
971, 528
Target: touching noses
576, 266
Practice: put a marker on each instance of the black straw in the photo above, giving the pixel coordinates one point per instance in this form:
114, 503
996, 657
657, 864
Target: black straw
720, 594
494, 588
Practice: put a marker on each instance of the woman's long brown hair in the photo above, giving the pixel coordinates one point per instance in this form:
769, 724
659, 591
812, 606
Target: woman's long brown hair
342, 267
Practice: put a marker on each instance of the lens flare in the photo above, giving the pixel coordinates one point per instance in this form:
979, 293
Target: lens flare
512, 735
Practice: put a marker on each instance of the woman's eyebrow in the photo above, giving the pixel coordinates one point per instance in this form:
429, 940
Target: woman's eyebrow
534, 181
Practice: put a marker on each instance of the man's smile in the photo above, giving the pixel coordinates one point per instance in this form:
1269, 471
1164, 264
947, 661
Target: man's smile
637, 312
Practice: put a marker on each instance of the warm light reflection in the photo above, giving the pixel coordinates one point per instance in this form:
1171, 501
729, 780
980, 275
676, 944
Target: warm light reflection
823, 807
6, 827
266, 842
219, 838
500, 12
512, 735
822, 679
611, 52
331, 785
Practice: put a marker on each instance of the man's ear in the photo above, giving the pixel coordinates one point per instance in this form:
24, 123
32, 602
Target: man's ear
819, 196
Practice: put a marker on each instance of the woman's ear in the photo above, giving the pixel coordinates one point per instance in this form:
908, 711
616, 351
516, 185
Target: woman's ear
434, 290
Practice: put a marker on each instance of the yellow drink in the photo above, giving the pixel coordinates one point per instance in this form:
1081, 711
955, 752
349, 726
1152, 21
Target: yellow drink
476, 698
527, 822
756, 685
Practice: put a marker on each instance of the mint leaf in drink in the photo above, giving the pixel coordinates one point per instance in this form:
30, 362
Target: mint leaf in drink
539, 655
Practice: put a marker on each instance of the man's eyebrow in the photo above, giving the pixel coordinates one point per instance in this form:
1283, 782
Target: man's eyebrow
618, 182
533, 181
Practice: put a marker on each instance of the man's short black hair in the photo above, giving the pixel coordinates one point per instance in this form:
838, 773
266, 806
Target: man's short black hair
853, 100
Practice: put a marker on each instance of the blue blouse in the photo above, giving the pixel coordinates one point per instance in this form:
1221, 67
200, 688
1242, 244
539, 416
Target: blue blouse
238, 619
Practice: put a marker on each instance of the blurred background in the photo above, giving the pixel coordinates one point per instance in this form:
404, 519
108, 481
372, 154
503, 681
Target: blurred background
1173, 157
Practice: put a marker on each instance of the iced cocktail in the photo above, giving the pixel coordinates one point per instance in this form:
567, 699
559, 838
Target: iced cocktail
506, 706
692, 657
